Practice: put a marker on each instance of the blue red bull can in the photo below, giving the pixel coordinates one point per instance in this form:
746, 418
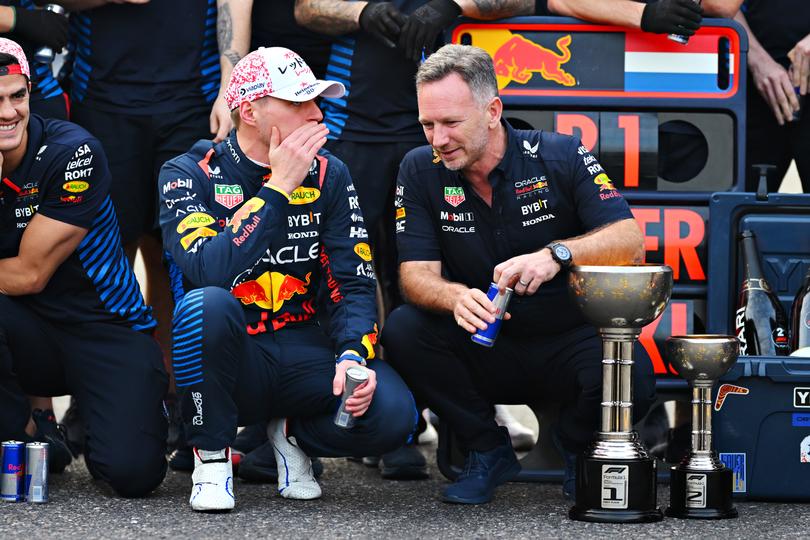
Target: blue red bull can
487, 337
12, 479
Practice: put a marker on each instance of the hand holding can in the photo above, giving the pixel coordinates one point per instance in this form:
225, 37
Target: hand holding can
355, 376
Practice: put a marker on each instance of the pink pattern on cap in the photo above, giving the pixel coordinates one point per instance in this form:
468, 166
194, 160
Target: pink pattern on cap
278, 72
11, 47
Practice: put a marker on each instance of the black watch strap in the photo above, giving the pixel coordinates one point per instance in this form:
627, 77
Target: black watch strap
561, 254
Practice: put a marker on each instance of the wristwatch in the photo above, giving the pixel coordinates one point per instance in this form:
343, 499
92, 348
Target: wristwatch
561, 254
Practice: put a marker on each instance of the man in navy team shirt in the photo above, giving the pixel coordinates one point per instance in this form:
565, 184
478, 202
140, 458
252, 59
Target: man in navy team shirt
72, 318
489, 203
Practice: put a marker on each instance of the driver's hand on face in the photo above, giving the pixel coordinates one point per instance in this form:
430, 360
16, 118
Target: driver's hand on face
291, 158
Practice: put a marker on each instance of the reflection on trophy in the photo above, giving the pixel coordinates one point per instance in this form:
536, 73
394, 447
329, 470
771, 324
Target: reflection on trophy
701, 485
616, 478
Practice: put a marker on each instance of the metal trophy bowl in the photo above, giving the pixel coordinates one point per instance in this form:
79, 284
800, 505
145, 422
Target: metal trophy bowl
701, 486
616, 478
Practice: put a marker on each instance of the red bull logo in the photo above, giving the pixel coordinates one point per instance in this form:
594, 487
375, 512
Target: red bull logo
270, 290
252, 205
604, 182
519, 59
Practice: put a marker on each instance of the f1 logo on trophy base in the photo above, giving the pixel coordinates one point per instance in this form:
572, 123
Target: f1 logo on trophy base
616, 478
701, 486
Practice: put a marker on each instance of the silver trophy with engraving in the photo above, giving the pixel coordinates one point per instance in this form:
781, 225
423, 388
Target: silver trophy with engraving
701, 486
616, 478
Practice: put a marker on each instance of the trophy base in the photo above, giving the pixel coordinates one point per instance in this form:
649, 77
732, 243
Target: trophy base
696, 494
616, 491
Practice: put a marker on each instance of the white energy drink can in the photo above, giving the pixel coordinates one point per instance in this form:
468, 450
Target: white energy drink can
355, 376
36, 472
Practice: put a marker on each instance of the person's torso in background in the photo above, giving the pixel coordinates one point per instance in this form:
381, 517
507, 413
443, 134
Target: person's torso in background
778, 24
380, 105
43, 83
146, 58
273, 25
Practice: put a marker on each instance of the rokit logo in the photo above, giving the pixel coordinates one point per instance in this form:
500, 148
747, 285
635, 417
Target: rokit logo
801, 397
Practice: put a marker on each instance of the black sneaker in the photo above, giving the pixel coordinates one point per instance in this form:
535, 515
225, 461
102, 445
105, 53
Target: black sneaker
74, 428
260, 466
250, 438
182, 459
404, 463
50, 432
176, 434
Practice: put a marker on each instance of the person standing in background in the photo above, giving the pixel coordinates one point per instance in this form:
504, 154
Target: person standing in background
778, 119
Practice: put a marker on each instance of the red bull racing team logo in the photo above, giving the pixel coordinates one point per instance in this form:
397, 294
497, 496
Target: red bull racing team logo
270, 290
518, 59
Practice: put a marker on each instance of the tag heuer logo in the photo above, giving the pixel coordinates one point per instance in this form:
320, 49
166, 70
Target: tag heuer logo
454, 196
228, 195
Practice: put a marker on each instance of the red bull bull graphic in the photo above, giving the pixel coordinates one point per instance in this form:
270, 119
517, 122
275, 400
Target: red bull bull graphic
369, 341
252, 205
557, 59
519, 59
270, 290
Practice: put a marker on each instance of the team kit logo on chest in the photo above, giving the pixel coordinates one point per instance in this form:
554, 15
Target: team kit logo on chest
228, 195
454, 195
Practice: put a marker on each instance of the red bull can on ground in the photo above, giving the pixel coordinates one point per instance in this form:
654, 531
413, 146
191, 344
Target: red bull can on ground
12, 480
355, 376
487, 337
36, 472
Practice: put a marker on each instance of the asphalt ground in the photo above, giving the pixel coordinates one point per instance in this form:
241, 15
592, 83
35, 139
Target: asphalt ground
357, 503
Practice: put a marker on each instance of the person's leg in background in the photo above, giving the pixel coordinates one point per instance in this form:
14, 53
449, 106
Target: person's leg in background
799, 133
374, 168
766, 142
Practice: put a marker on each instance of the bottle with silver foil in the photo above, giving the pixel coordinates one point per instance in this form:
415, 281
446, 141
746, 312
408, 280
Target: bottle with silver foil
45, 55
36, 472
355, 376
800, 319
760, 321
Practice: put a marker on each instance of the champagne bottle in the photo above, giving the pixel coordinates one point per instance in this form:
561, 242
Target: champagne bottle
760, 322
800, 316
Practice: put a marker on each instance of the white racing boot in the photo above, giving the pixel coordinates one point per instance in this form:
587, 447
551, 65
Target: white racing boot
295, 478
212, 481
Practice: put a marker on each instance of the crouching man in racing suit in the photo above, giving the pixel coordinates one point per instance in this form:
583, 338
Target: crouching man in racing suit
254, 224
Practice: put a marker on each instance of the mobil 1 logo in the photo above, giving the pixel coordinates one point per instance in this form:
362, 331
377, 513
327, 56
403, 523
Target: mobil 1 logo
801, 397
696, 491
614, 486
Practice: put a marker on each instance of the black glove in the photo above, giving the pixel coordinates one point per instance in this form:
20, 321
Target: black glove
41, 28
383, 21
424, 25
672, 17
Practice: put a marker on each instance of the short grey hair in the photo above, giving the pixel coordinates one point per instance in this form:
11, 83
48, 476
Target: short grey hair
472, 64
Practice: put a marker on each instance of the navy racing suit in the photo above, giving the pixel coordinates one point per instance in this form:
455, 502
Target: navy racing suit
247, 344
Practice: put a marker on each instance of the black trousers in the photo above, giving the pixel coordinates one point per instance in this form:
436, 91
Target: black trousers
374, 168
137, 146
768, 142
227, 378
115, 373
461, 381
